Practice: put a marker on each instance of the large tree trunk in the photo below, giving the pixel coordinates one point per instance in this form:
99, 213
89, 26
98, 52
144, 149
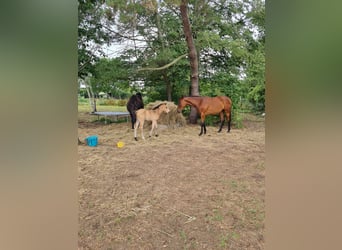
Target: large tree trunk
168, 86
192, 57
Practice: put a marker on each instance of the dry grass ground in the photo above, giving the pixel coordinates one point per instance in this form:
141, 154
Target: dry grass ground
175, 191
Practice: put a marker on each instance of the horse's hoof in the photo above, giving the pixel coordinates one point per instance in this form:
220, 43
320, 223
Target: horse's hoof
135, 138
156, 135
200, 134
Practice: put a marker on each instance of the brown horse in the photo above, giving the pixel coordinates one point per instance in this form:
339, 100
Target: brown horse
208, 106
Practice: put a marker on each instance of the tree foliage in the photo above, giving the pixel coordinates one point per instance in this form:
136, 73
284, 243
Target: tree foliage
229, 37
112, 77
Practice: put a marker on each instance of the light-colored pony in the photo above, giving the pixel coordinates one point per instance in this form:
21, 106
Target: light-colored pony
149, 115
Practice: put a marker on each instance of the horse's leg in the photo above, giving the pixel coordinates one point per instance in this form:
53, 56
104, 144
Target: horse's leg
136, 125
133, 123
222, 121
229, 118
203, 128
133, 118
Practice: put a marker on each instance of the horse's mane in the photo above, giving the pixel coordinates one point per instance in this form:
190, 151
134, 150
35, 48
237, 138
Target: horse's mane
135, 102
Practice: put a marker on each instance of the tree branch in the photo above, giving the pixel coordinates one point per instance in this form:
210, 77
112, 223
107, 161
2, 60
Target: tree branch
123, 36
165, 66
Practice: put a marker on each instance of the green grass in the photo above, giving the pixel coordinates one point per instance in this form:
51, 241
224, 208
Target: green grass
226, 239
238, 186
217, 216
260, 166
183, 235
214, 216
85, 107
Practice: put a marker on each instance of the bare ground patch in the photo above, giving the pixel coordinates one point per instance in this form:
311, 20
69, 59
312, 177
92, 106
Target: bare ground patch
175, 191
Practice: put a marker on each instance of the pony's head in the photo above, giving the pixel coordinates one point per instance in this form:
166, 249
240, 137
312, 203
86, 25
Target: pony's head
162, 107
181, 104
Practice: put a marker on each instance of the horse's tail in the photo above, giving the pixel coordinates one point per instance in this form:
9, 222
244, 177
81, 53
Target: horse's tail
230, 106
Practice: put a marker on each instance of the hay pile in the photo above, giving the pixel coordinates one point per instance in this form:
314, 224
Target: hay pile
172, 119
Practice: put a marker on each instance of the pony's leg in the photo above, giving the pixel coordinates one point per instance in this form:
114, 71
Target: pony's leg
156, 129
152, 127
222, 121
142, 129
136, 125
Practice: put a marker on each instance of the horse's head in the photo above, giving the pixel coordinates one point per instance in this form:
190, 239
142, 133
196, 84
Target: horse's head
181, 104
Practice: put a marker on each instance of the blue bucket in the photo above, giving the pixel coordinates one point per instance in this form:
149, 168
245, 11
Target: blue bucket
92, 141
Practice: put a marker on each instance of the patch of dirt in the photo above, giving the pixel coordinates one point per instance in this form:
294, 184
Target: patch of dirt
175, 191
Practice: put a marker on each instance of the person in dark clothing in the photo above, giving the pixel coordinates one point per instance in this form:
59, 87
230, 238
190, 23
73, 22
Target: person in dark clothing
134, 103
